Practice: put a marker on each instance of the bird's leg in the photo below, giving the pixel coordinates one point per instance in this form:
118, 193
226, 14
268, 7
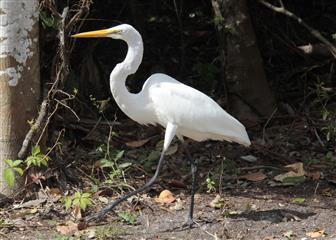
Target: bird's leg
190, 220
110, 206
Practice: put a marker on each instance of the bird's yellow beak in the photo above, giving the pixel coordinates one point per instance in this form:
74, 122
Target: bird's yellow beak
96, 34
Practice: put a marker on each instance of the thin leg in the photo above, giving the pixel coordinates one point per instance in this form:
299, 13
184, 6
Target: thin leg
190, 220
110, 206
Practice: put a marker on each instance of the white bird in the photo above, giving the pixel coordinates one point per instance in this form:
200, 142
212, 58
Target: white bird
182, 110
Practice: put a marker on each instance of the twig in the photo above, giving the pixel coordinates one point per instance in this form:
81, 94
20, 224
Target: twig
318, 138
268, 120
35, 128
315, 190
46, 124
313, 31
70, 109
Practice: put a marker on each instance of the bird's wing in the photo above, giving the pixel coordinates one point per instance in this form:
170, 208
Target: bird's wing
196, 114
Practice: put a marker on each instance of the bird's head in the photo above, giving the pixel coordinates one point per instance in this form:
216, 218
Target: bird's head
123, 32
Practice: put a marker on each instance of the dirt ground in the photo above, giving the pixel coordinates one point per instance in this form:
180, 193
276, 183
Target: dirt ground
254, 212
247, 208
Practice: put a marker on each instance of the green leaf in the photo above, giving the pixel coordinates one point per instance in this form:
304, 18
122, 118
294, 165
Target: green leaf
298, 200
94, 188
67, 203
294, 179
9, 162
44, 161
75, 201
105, 163
30, 161
119, 155
47, 20
78, 195
86, 195
124, 165
333, 36
36, 150
18, 170
16, 163
115, 174
127, 217
9, 176
84, 203
325, 114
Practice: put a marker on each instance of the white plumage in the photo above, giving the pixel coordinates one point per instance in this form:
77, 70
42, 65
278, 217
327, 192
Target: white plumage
195, 114
182, 110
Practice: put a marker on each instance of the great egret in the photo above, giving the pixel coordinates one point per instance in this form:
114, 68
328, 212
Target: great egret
180, 109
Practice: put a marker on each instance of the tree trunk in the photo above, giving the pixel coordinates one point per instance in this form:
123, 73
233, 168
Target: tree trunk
19, 76
244, 73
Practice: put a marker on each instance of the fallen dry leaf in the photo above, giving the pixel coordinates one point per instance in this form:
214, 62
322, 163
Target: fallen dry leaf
138, 143
165, 196
103, 199
316, 234
67, 228
328, 192
314, 175
290, 178
217, 202
29, 204
255, 177
288, 234
177, 206
55, 191
89, 233
295, 175
77, 212
297, 168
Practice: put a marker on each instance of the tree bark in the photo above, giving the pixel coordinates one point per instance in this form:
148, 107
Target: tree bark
252, 97
19, 76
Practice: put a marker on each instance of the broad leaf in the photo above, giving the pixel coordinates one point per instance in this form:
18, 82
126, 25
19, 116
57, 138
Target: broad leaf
36, 150
9, 176
77, 195
119, 155
75, 201
84, 203
18, 170
86, 195
125, 165
17, 163
67, 203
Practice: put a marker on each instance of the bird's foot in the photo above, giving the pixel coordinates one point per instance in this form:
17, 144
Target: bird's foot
189, 224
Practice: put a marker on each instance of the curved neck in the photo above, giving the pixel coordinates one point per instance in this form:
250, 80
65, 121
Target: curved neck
128, 102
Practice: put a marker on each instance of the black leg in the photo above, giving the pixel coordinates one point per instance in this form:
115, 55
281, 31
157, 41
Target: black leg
190, 220
110, 206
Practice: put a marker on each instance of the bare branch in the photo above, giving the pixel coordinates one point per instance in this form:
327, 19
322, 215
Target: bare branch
314, 32
35, 128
